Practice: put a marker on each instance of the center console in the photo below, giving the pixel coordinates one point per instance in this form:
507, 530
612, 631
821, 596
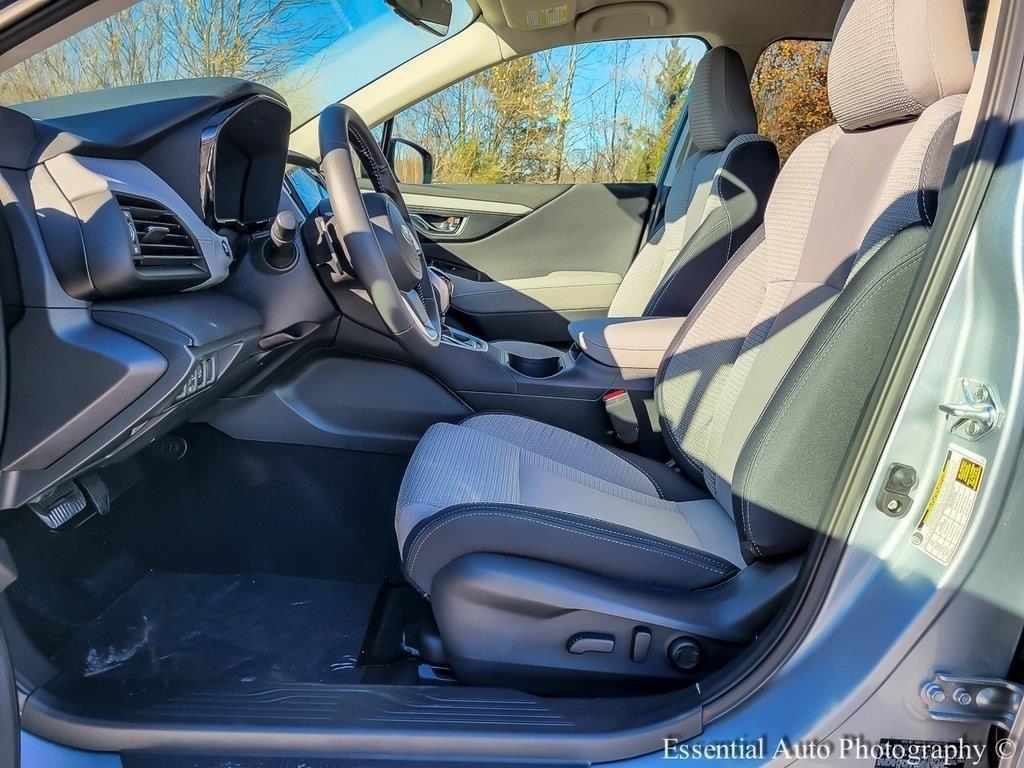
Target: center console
629, 343
366, 392
608, 359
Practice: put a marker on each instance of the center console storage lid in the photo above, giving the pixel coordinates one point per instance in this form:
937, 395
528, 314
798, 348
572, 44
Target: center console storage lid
626, 342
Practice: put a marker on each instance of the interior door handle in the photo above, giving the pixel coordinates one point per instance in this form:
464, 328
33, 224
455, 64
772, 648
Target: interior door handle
449, 225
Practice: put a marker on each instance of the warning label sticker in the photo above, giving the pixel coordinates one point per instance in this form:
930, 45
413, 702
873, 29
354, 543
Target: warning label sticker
949, 509
547, 17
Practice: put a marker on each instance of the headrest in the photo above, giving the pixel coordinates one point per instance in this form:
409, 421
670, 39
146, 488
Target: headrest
891, 59
720, 104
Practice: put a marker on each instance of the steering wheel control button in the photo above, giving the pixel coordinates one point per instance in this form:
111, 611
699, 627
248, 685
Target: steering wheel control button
590, 642
684, 653
641, 644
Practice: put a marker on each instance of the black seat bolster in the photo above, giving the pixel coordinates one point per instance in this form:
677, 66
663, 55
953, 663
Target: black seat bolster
584, 543
791, 462
672, 485
743, 185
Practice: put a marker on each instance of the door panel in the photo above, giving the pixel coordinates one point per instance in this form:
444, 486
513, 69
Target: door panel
479, 209
529, 258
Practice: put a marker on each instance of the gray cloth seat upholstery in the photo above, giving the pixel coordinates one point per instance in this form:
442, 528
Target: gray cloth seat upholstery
761, 392
715, 197
521, 486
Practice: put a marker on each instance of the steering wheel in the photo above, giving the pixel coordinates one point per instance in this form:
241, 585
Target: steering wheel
376, 231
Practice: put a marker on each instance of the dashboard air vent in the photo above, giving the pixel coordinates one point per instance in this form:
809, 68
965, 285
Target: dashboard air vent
161, 245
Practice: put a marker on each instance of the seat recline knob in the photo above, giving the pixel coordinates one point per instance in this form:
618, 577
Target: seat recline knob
684, 653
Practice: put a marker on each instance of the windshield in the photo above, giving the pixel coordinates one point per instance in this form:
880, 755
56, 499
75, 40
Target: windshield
313, 52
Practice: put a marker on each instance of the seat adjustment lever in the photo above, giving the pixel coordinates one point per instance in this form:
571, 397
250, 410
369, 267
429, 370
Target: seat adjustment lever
590, 642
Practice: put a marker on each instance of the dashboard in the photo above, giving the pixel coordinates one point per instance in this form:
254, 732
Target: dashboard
135, 288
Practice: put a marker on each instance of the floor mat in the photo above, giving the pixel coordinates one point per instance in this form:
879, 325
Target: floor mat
233, 506
229, 506
222, 628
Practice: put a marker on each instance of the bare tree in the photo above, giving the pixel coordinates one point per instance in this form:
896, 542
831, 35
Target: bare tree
564, 112
170, 39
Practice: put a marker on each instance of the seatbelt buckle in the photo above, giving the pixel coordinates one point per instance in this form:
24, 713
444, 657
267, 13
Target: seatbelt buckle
622, 414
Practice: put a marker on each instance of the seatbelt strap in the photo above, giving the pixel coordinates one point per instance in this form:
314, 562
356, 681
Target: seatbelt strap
679, 148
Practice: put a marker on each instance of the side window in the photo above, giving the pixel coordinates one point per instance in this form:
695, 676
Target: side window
790, 95
599, 112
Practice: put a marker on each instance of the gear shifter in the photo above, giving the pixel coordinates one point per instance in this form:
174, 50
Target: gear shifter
443, 290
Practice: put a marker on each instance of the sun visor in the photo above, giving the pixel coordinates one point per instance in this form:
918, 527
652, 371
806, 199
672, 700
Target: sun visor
629, 18
538, 14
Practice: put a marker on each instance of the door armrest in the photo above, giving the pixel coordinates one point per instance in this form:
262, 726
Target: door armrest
626, 342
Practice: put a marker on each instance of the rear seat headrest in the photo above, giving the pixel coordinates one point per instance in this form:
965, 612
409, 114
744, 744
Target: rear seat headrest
892, 59
720, 104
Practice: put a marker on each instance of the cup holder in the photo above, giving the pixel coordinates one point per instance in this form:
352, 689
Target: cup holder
535, 367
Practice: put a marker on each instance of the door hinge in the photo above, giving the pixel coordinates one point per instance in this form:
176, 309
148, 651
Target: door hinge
976, 413
965, 699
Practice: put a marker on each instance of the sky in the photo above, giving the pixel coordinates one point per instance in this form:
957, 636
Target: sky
356, 41
371, 41
641, 57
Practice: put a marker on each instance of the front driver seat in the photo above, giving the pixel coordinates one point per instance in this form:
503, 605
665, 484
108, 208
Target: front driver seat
715, 198
552, 560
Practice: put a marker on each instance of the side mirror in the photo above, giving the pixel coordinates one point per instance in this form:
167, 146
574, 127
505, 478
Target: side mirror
411, 163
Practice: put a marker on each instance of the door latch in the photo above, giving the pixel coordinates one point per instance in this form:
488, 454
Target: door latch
965, 699
976, 413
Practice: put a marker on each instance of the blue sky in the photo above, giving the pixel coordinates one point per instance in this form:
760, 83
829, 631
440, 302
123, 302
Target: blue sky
371, 41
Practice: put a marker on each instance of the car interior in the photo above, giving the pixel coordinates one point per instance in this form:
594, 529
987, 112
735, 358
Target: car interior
295, 444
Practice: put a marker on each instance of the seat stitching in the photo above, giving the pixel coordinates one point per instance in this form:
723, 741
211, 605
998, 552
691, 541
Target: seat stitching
836, 334
584, 532
653, 482
725, 203
929, 33
697, 158
369, 159
757, 239
657, 487
930, 162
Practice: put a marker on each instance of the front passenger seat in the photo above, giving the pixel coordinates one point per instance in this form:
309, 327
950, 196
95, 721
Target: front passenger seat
550, 559
715, 200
